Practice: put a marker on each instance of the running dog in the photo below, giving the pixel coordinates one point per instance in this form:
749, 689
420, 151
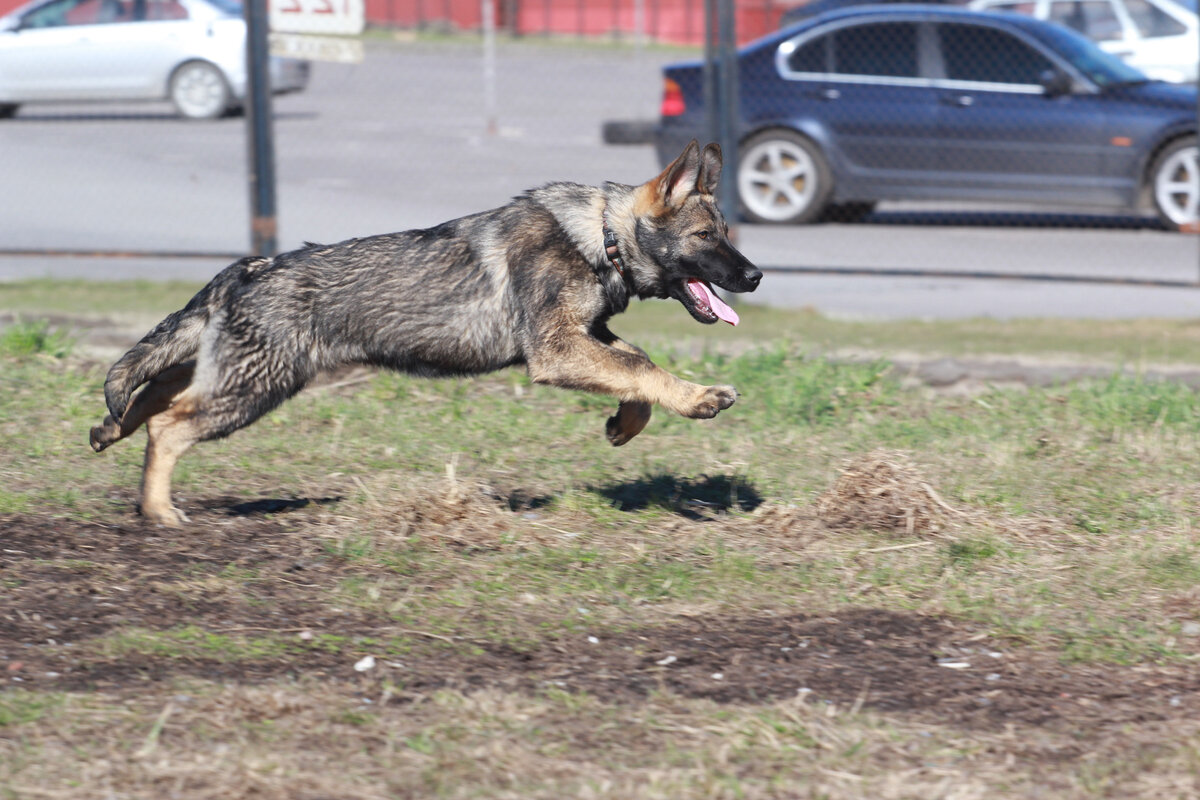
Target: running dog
533, 282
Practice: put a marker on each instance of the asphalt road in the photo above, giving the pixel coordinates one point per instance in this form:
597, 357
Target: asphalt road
405, 140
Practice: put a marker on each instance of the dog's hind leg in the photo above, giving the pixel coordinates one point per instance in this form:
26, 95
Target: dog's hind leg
171, 433
155, 398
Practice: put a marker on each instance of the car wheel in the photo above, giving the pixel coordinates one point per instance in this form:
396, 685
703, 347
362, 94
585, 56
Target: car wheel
1175, 184
8, 110
199, 91
783, 178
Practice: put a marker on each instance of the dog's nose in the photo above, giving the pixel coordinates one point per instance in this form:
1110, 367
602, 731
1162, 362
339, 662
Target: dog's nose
753, 276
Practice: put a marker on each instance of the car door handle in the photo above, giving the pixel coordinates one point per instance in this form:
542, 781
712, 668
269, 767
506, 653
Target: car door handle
827, 94
959, 100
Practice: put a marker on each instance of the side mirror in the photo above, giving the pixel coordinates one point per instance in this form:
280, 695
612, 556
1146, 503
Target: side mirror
1055, 83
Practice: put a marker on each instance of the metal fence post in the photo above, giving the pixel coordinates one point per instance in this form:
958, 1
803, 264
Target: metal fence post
711, 103
727, 91
488, 21
260, 133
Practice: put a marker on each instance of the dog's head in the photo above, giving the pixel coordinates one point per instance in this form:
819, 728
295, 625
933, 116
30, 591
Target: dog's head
683, 232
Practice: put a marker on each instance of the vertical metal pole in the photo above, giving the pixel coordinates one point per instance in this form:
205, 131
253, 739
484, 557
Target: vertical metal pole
260, 133
639, 29
727, 92
711, 103
489, 65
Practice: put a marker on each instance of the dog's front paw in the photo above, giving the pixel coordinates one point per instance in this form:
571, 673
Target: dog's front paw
627, 423
712, 400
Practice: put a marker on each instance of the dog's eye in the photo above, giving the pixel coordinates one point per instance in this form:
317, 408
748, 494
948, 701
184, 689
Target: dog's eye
702, 234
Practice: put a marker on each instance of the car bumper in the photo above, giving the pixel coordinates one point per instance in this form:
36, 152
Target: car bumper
289, 74
670, 139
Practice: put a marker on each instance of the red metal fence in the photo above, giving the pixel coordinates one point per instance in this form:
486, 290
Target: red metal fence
673, 21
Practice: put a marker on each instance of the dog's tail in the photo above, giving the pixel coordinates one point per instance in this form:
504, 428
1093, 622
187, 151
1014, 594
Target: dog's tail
173, 341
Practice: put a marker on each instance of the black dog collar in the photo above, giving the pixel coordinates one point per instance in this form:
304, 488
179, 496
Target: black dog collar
613, 251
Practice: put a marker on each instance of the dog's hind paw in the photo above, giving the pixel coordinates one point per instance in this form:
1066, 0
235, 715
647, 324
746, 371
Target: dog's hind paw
102, 435
165, 517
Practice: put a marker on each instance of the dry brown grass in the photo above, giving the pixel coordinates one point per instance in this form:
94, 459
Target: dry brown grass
287, 741
885, 491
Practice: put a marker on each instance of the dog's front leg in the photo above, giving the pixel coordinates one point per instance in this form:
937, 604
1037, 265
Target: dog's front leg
632, 416
623, 371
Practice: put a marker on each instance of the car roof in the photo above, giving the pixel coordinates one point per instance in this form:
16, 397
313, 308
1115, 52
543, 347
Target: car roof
917, 10
908, 11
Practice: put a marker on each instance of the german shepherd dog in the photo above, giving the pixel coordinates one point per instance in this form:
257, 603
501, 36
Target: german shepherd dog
533, 282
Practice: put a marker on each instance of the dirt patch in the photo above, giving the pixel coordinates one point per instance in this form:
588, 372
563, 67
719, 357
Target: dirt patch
933, 668
63, 584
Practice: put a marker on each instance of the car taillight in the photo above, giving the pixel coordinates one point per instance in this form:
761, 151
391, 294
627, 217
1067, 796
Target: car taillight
672, 99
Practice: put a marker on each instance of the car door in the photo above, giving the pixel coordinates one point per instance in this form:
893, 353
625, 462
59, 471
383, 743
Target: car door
140, 53
87, 50
999, 133
49, 57
879, 112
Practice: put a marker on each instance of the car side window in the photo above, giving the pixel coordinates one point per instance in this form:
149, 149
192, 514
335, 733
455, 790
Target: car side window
64, 13
986, 55
1151, 21
813, 56
1095, 19
887, 49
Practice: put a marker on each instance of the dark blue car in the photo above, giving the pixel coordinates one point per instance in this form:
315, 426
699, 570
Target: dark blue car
897, 102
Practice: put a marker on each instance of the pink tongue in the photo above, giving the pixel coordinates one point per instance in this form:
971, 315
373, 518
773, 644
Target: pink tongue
715, 303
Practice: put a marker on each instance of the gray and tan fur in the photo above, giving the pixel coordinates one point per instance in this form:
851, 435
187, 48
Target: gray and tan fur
527, 283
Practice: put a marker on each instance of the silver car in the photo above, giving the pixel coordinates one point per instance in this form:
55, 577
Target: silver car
1159, 37
192, 52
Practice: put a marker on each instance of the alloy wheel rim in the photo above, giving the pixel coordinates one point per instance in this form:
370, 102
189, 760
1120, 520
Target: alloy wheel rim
777, 180
1177, 186
199, 91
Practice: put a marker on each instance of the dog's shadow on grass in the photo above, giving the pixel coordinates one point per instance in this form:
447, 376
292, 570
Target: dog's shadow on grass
265, 506
694, 498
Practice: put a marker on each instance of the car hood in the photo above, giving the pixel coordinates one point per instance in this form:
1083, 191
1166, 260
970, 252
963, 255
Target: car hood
1157, 93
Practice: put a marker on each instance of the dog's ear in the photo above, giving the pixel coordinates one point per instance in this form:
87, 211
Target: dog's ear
679, 179
710, 169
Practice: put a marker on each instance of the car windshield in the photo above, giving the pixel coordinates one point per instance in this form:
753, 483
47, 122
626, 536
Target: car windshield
1102, 68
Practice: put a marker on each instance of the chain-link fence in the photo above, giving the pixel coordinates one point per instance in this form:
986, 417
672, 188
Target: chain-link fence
865, 135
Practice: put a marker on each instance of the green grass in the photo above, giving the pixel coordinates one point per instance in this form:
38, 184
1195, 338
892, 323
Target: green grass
1109, 461
461, 515
20, 707
26, 339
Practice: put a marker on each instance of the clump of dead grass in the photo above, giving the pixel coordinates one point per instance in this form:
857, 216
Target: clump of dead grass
885, 491
462, 514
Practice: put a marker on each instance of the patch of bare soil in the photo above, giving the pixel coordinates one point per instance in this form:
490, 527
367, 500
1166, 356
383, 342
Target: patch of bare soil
63, 583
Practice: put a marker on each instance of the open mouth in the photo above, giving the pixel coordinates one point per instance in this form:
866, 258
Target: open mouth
705, 305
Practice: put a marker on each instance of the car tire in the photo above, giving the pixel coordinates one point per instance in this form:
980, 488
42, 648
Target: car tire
8, 110
1175, 184
199, 91
783, 178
